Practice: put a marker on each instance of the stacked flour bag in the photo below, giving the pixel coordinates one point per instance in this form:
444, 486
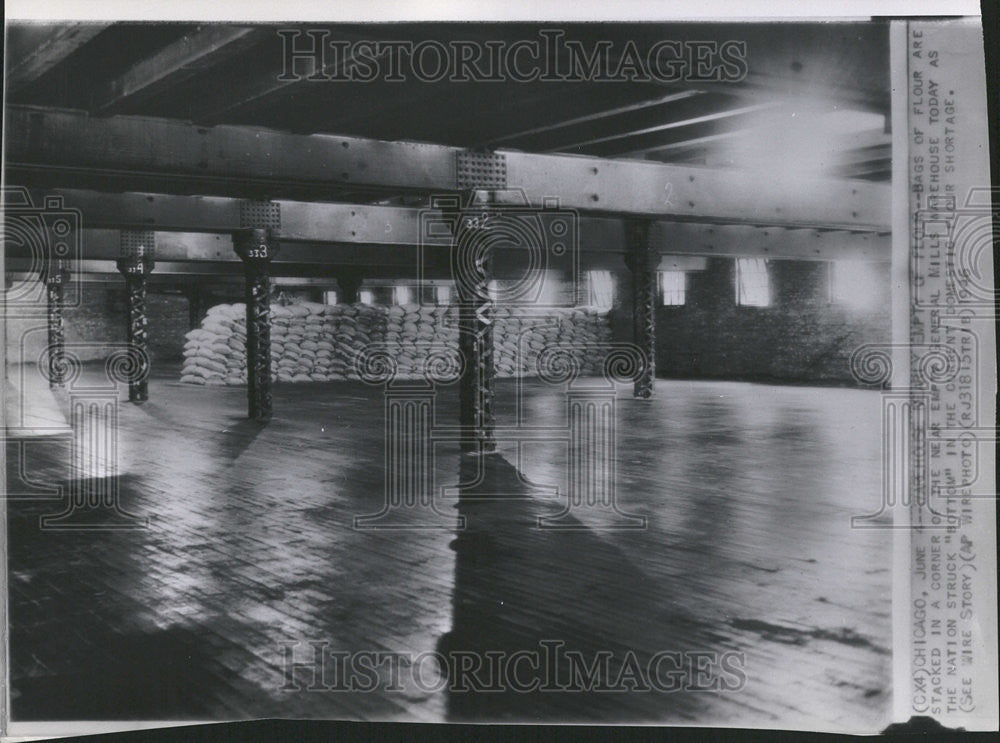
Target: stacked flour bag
519, 336
310, 342
294, 332
313, 342
587, 331
349, 329
414, 332
215, 353
522, 334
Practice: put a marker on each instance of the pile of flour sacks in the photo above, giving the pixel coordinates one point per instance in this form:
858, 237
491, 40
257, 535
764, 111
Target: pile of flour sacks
309, 343
313, 342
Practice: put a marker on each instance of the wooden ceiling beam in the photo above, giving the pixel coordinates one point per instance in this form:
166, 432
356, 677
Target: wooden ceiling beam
53, 145
190, 55
316, 231
63, 40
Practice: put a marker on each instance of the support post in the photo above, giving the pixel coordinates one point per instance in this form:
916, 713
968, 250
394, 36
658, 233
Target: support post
136, 261
256, 243
472, 271
350, 287
94, 492
196, 305
643, 266
55, 281
581, 290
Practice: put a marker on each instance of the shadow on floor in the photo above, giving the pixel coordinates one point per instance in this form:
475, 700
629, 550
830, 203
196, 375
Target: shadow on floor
557, 625
111, 676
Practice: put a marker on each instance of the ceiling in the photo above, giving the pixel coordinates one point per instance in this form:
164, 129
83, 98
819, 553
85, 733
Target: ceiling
815, 97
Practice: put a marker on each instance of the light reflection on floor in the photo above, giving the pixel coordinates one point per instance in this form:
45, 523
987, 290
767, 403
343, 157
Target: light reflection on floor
747, 491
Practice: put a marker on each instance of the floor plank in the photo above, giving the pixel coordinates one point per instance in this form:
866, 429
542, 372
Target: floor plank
747, 491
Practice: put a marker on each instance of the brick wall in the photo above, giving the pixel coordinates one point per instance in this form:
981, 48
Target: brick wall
800, 338
168, 322
100, 318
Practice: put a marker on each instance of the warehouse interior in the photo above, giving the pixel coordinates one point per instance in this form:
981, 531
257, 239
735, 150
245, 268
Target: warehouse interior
262, 407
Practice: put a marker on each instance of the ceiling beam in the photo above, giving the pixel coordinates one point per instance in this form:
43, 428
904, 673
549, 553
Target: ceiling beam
682, 246
207, 255
207, 274
597, 116
870, 169
194, 52
51, 146
680, 131
62, 42
377, 234
684, 148
271, 83
198, 247
775, 243
863, 155
320, 225
301, 221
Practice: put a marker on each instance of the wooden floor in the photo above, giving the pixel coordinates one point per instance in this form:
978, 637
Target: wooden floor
747, 490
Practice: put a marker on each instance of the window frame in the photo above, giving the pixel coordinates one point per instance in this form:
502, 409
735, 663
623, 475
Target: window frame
738, 272
660, 284
594, 292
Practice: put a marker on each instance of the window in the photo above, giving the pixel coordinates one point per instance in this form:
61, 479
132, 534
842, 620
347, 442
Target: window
853, 284
366, 296
752, 288
600, 289
442, 294
401, 295
673, 287
330, 297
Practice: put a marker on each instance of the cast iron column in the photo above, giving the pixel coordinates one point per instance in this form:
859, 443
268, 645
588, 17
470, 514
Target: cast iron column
643, 266
196, 302
55, 279
136, 262
472, 271
350, 288
256, 243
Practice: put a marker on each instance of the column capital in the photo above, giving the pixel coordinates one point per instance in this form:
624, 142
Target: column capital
56, 274
135, 268
137, 251
256, 246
